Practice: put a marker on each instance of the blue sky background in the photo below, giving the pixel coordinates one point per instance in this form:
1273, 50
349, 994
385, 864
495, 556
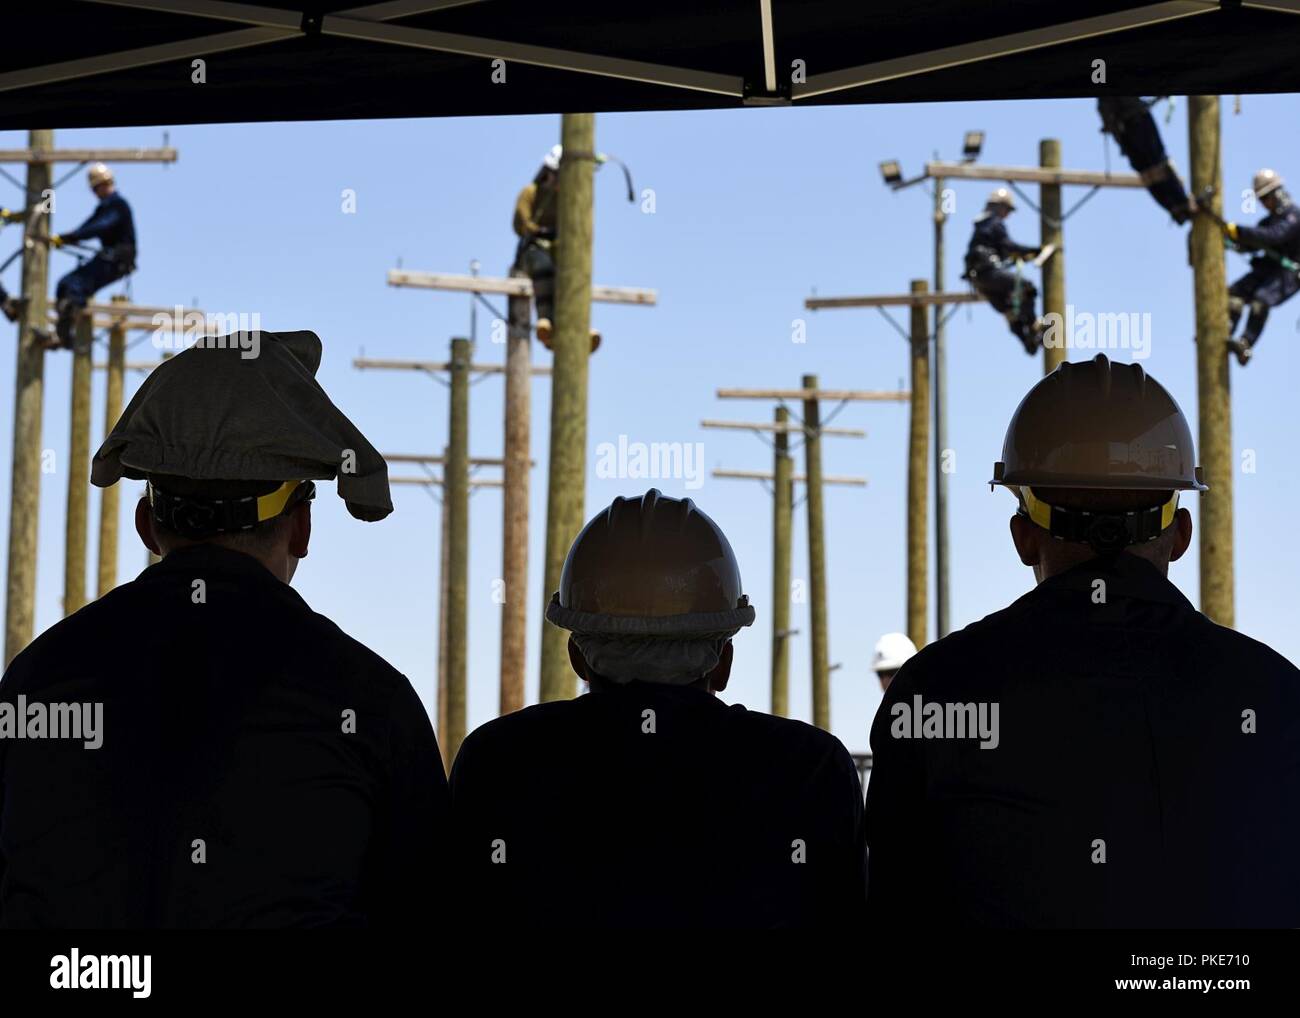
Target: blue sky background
753, 210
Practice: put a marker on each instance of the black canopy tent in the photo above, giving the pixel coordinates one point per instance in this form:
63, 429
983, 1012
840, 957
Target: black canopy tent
84, 63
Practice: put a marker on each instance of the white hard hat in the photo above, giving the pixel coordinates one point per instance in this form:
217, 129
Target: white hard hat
552, 158
99, 174
1001, 196
1266, 182
892, 650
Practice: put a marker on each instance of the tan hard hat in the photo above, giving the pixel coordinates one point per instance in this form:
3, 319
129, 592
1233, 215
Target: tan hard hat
1266, 182
99, 174
651, 557
1001, 196
1098, 424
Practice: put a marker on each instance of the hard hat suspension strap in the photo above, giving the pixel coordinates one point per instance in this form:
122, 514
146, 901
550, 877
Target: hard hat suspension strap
197, 518
1104, 531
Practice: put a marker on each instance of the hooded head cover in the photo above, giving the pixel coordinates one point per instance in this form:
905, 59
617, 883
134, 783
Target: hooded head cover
214, 413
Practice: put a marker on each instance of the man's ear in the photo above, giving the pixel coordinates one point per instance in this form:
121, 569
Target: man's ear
577, 661
144, 525
1026, 535
721, 673
1182, 534
300, 534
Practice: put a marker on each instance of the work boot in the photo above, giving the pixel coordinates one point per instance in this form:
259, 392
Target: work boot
13, 307
1241, 348
1032, 338
46, 340
67, 317
544, 335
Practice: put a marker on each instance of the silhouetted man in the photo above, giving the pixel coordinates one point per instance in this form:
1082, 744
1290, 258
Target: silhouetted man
227, 757
1098, 754
648, 802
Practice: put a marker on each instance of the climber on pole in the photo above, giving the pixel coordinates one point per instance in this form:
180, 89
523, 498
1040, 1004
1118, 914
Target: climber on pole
1274, 275
991, 267
1128, 120
535, 222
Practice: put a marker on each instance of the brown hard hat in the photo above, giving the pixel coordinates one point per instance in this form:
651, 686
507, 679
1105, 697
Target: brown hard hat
1098, 424
650, 558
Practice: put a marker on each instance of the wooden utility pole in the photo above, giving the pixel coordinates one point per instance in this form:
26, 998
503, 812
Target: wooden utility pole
29, 376
29, 381
518, 290
812, 444
810, 395
918, 448
571, 339
456, 487
782, 479
918, 300
110, 497
444, 580
514, 505
1214, 398
940, 381
444, 597
782, 521
76, 523
1051, 232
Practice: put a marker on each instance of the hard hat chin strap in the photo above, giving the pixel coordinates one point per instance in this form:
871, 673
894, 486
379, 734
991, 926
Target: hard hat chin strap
1107, 533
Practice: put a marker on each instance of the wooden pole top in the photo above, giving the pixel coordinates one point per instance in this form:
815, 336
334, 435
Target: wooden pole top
894, 300
759, 475
88, 155
145, 366
511, 286
399, 365
835, 395
121, 309
1031, 175
788, 427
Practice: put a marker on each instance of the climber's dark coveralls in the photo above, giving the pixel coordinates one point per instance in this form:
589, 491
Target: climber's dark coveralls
1268, 283
535, 223
989, 266
1128, 119
111, 224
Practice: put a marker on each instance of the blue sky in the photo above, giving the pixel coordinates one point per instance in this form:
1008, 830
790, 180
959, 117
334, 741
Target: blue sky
753, 209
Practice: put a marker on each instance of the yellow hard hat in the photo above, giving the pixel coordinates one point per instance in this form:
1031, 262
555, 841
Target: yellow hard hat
99, 174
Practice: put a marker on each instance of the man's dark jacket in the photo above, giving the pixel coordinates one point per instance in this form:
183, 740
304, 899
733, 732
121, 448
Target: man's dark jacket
1131, 729
227, 705
657, 806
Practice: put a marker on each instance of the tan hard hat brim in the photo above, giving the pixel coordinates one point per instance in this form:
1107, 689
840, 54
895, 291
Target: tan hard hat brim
1094, 424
